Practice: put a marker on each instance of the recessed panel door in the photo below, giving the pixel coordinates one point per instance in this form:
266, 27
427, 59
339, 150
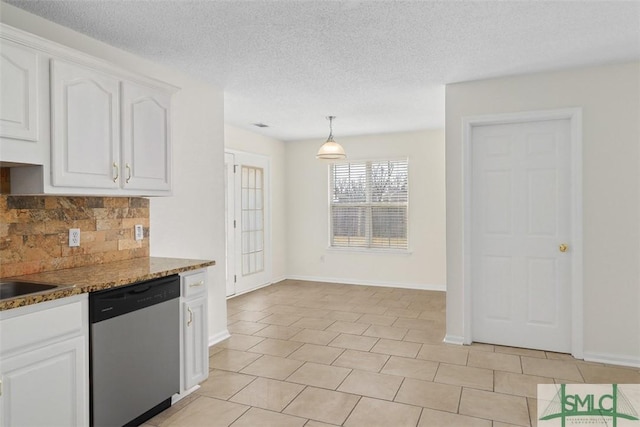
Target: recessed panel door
146, 138
18, 85
85, 127
521, 223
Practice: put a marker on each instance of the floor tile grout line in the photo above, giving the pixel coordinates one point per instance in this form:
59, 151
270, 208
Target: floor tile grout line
398, 391
352, 409
521, 365
419, 417
528, 410
241, 415
435, 374
344, 379
580, 372
247, 385
296, 396
462, 388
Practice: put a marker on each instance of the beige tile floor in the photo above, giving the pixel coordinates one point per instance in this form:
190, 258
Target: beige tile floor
319, 354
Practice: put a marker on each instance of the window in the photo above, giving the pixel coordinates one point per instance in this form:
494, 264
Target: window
252, 220
369, 203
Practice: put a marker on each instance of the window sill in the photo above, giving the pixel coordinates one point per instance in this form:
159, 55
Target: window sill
372, 251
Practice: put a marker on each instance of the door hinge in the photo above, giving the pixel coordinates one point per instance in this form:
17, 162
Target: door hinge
234, 223
235, 279
235, 168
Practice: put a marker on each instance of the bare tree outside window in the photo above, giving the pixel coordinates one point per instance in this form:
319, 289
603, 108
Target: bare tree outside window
369, 204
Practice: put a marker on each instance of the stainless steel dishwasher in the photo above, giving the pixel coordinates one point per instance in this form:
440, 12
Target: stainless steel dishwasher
135, 354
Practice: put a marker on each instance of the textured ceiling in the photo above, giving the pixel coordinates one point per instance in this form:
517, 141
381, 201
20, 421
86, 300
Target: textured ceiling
379, 66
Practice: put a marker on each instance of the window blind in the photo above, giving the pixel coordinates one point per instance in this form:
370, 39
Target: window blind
369, 204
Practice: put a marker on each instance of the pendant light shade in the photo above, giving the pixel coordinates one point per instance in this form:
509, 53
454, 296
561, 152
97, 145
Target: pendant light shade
331, 150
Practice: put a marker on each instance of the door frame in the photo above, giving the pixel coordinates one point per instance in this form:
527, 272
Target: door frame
574, 115
230, 219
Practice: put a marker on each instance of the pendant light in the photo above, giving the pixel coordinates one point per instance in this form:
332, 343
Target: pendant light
331, 150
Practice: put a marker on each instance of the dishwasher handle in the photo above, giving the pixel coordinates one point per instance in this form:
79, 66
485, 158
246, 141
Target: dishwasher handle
139, 290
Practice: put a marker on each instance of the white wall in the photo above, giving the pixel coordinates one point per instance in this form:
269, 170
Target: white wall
190, 224
249, 142
610, 98
308, 224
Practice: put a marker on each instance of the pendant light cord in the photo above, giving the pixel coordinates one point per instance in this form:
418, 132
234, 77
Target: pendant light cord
330, 127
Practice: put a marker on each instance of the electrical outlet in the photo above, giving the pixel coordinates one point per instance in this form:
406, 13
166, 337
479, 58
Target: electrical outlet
74, 237
139, 232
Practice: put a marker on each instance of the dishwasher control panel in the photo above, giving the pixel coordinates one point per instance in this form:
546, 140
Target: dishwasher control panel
114, 302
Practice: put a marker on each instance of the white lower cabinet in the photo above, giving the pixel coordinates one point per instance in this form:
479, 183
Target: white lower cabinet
41, 387
195, 351
196, 361
44, 365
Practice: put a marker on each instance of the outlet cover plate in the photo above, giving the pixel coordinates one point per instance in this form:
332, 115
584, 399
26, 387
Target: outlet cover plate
139, 232
74, 237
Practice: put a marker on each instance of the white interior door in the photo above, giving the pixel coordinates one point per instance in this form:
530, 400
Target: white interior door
520, 218
248, 236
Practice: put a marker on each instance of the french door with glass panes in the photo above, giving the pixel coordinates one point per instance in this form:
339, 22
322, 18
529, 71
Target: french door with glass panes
248, 222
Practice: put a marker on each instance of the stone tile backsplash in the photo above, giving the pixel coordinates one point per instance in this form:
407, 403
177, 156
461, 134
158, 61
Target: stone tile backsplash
34, 232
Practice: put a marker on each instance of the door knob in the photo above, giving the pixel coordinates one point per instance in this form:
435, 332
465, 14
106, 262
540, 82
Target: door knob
563, 247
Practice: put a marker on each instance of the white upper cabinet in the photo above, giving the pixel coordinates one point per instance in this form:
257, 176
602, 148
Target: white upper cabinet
18, 102
146, 141
108, 133
79, 125
85, 143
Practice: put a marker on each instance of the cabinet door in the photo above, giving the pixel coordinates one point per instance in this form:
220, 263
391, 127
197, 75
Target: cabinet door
18, 85
46, 387
85, 127
196, 352
146, 138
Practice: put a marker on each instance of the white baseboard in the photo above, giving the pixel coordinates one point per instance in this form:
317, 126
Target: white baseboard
612, 359
237, 294
419, 286
220, 336
264, 285
454, 339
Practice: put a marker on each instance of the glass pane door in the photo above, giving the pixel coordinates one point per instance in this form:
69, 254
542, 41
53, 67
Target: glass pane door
252, 184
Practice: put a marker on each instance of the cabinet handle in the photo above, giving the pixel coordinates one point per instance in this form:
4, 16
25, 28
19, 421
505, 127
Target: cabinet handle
128, 172
190, 316
115, 166
200, 283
